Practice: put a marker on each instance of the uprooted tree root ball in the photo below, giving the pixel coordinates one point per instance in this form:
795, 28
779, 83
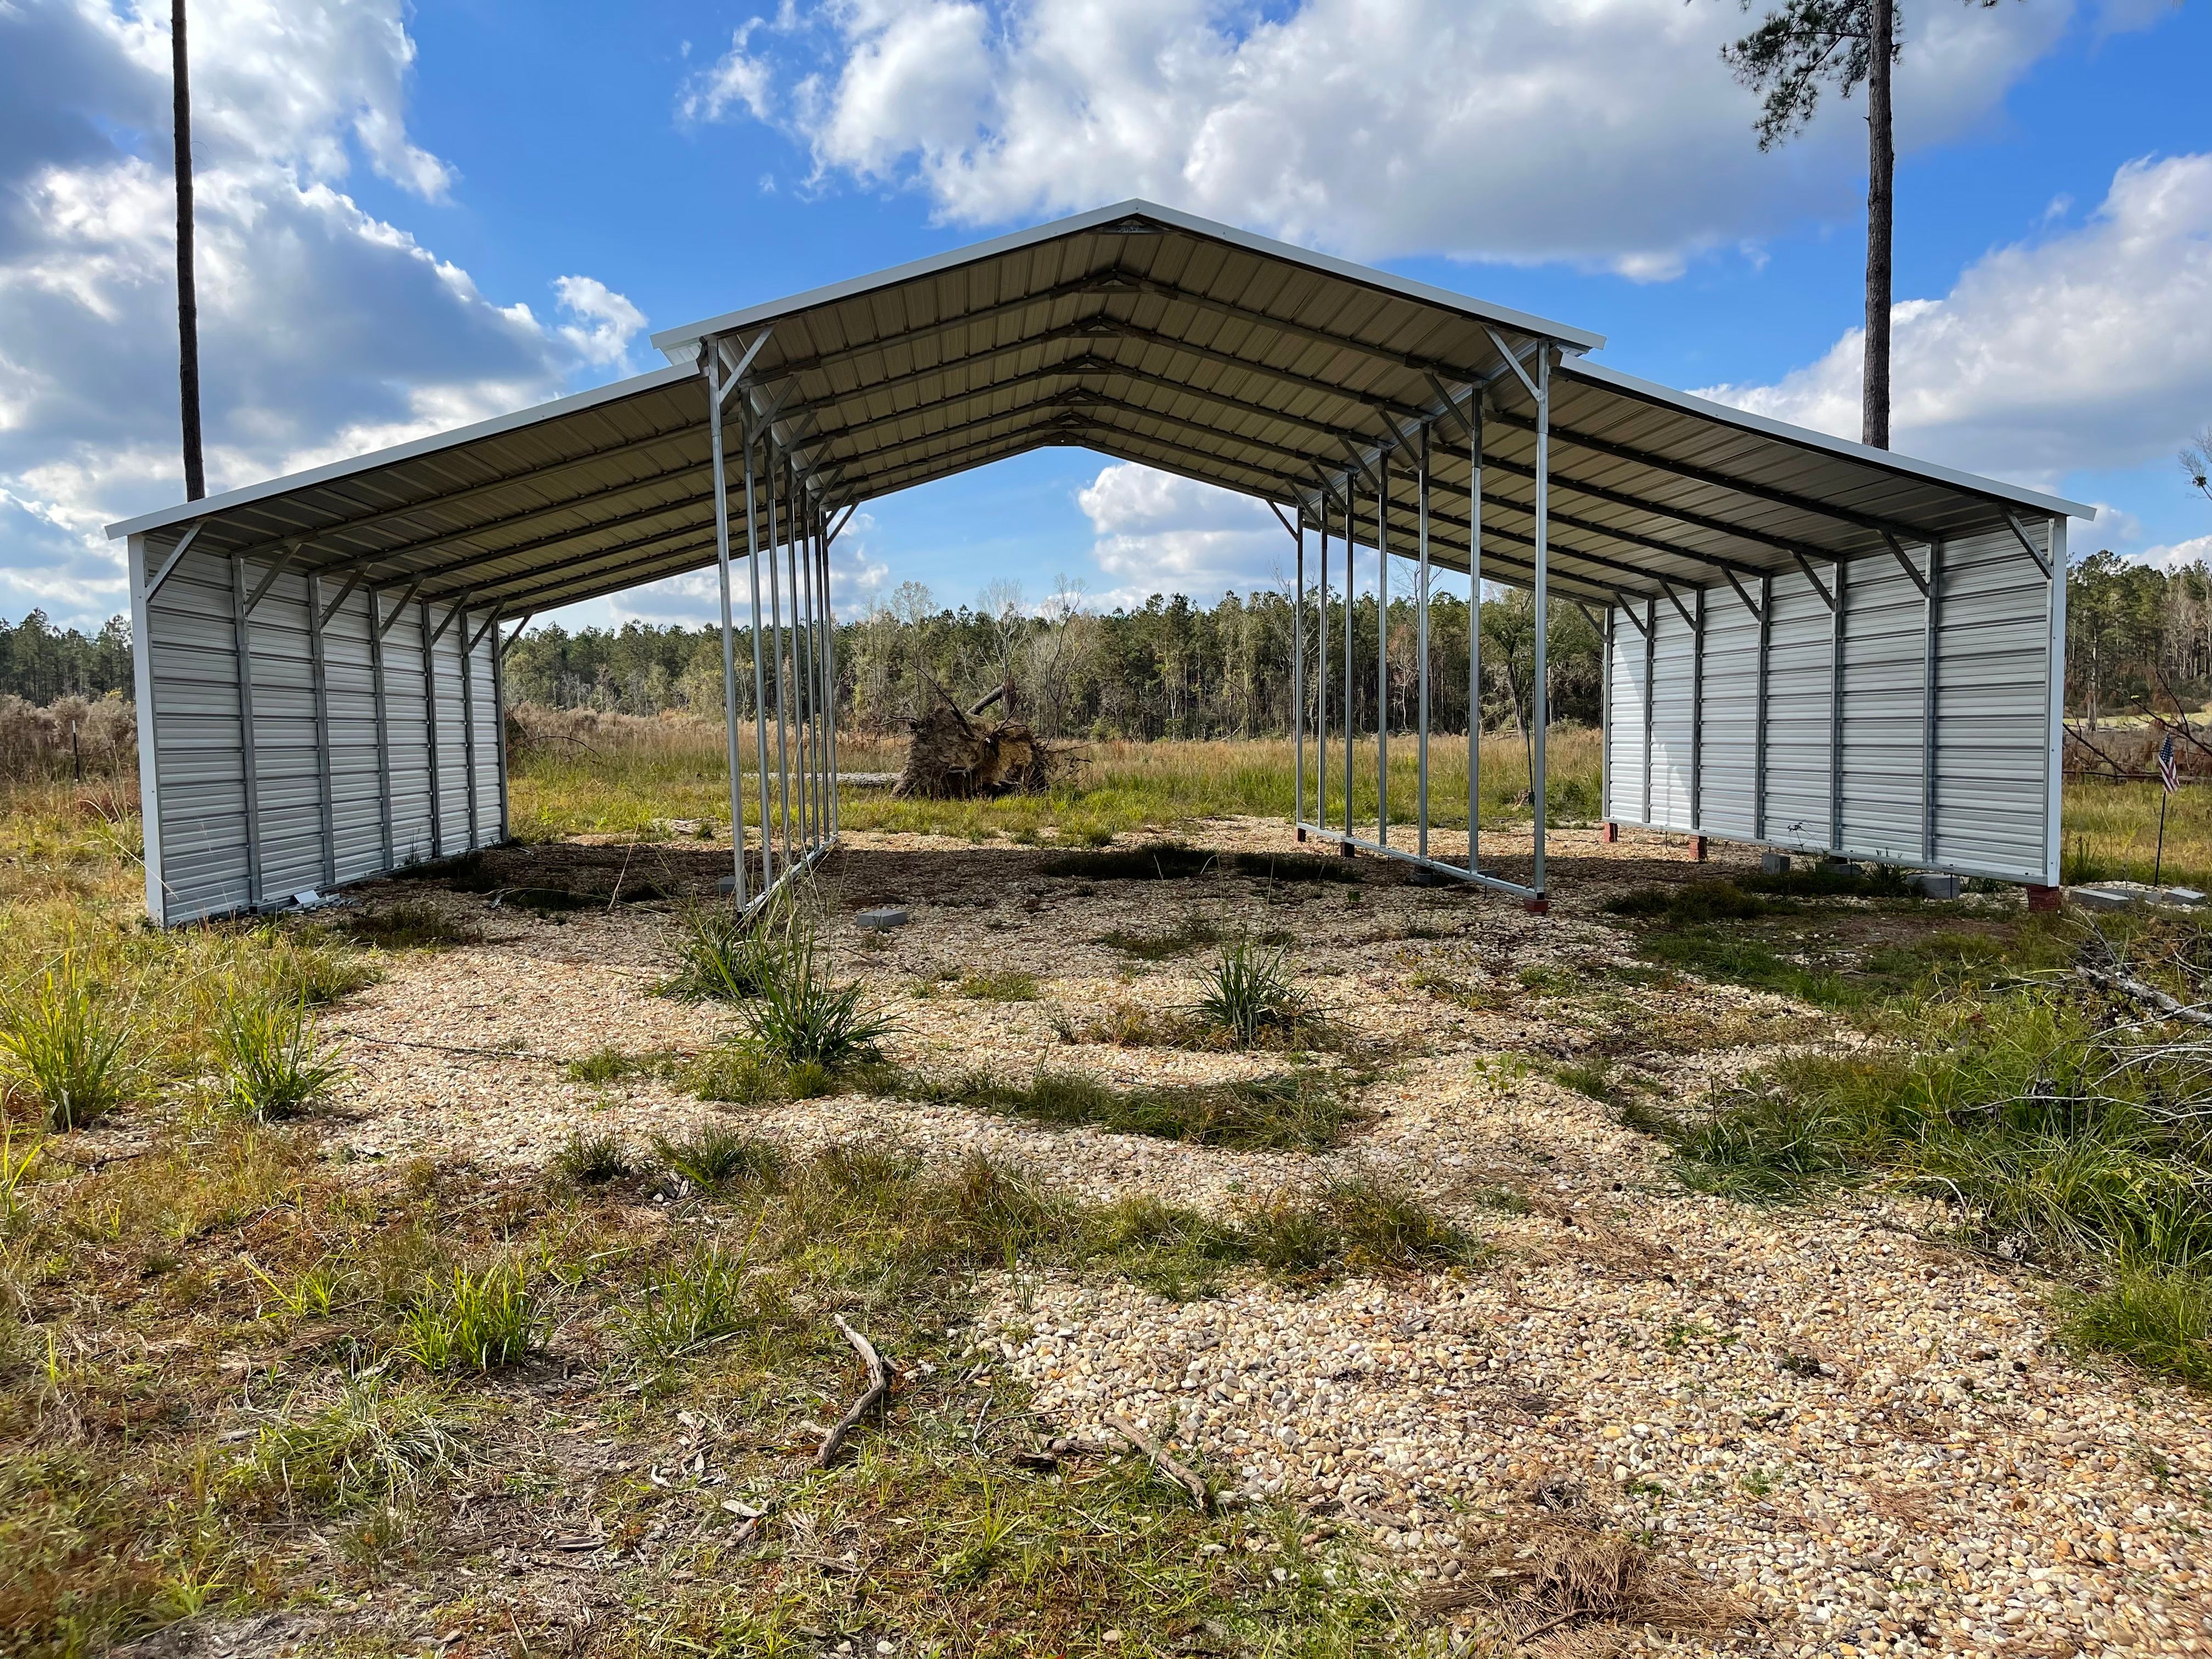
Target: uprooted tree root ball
956, 756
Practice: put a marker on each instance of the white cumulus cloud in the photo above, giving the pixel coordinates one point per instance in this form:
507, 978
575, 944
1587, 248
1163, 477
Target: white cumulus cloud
2088, 347
324, 330
1607, 132
1158, 533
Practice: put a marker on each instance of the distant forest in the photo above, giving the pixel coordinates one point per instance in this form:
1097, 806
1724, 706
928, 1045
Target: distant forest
2137, 637
39, 662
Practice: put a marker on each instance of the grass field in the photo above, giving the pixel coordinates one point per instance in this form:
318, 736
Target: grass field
632, 774
241, 1373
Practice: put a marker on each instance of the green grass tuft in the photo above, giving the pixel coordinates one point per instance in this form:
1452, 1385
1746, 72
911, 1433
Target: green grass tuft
1000, 985
712, 1158
1299, 1112
592, 1160
479, 1319
272, 1065
2159, 1319
68, 1046
1248, 994
375, 1440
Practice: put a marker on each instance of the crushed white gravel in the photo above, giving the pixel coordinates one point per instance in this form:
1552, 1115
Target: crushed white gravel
1868, 1434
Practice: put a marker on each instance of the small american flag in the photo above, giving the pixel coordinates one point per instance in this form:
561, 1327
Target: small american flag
2166, 772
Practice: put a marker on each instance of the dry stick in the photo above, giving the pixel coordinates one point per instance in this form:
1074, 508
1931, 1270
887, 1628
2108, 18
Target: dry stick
1164, 1464
879, 1384
2128, 985
2074, 732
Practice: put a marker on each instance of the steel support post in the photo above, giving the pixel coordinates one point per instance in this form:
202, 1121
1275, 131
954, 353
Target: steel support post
1605, 640
468, 720
1539, 696
802, 679
829, 665
1421, 648
320, 665
1298, 673
1698, 716
782, 695
1383, 651
720, 463
2054, 668
760, 677
383, 725
1650, 675
1837, 638
150, 746
430, 733
1351, 538
499, 719
820, 727
1758, 736
1932, 604
1321, 675
1475, 632
251, 772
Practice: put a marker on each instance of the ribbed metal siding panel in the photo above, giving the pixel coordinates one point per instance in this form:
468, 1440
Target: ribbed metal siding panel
452, 821
1728, 746
407, 734
1673, 696
1884, 623
1798, 703
356, 788
1993, 754
1624, 745
484, 701
287, 758
192, 645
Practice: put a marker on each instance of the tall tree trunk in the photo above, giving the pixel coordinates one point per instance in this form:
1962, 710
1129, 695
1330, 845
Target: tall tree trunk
188, 310
1881, 174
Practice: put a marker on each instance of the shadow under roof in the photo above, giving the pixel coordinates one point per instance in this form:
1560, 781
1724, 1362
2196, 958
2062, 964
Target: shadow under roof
1142, 334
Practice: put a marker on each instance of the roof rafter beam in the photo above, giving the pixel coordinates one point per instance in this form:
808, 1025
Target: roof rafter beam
1705, 475
790, 368
458, 498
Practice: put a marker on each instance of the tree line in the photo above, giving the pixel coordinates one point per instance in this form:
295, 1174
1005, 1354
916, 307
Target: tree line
1169, 668
2138, 638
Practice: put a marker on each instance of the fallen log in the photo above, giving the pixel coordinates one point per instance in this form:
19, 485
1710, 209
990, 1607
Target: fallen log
879, 1384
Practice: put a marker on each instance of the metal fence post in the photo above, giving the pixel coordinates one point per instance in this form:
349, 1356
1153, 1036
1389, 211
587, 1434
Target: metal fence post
738, 894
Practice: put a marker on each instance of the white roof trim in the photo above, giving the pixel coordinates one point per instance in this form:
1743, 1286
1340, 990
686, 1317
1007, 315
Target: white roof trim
427, 445
677, 342
1705, 408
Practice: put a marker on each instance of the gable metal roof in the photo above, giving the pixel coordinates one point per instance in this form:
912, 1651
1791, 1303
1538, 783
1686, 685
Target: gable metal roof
1140, 333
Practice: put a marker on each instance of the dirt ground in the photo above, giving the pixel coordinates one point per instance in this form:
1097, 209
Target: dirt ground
1861, 1430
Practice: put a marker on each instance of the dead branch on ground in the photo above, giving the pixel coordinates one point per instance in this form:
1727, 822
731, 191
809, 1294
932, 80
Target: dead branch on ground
1164, 1464
879, 1384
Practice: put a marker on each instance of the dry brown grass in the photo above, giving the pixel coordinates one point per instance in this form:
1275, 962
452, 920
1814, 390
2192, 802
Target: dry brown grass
96, 737
1582, 1592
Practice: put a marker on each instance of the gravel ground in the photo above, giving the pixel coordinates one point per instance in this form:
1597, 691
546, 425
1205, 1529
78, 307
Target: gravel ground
1869, 1436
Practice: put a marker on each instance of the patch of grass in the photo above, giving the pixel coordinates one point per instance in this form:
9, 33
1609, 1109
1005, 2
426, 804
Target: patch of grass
1169, 1249
1701, 901
612, 1065
1247, 994
712, 1158
1000, 985
1593, 1078
66, 1047
705, 1295
479, 1319
1355, 1222
408, 925
1192, 932
1821, 880
370, 1444
1550, 981
1476, 998
2159, 1319
738, 1074
1298, 1112
797, 1017
272, 1064
590, 1159
725, 958
1124, 1023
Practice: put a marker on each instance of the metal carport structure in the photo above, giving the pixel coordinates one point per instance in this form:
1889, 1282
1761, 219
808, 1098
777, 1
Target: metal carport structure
1808, 643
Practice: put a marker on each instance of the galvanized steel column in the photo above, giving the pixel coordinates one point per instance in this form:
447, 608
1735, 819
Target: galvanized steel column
760, 677
383, 723
775, 623
1650, 675
430, 733
499, 714
1421, 646
2054, 777
1539, 701
1475, 631
1836, 643
1932, 604
1351, 534
468, 718
250, 774
830, 665
729, 631
1383, 651
1298, 673
1698, 716
1320, 675
321, 668
1758, 759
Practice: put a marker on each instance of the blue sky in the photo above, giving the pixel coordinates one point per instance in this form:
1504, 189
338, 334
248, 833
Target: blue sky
412, 218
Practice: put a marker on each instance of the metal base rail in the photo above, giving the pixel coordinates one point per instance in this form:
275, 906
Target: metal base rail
1457, 872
